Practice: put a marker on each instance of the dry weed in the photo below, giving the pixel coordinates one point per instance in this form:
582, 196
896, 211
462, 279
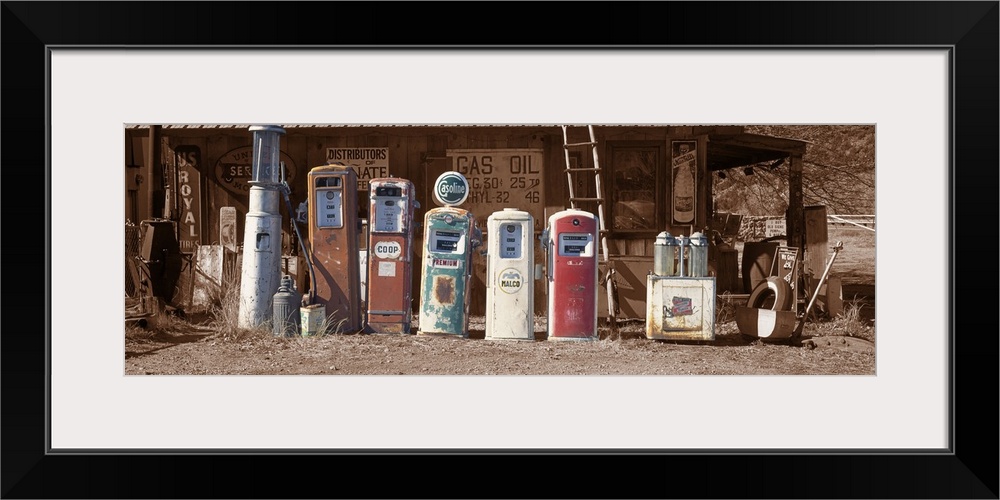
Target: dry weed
849, 323
725, 309
224, 309
149, 328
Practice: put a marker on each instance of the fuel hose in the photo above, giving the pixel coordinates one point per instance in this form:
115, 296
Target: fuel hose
285, 189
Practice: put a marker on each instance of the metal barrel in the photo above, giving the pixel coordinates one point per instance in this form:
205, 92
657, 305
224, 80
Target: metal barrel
285, 320
665, 255
698, 256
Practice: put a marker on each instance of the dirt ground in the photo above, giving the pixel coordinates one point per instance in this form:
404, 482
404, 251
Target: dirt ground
838, 346
187, 348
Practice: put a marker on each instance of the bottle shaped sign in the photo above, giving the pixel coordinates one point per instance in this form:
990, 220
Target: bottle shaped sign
684, 162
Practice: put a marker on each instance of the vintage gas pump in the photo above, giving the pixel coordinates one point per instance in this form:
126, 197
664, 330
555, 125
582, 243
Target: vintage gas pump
570, 240
510, 287
261, 268
333, 244
450, 236
681, 306
390, 246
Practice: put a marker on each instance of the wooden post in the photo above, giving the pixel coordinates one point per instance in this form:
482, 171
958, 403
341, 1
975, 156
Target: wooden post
794, 222
794, 218
815, 240
154, 204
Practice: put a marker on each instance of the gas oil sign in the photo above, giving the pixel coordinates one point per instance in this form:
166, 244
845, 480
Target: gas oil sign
501, 178
368, 163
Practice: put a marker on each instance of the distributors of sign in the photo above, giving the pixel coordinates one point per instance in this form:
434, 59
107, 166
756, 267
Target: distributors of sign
367, 163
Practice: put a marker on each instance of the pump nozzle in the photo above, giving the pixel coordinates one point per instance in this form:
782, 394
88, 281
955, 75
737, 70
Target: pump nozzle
286, 190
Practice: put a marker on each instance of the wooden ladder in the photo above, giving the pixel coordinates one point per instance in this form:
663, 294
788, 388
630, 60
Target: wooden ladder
571, 171
598, 198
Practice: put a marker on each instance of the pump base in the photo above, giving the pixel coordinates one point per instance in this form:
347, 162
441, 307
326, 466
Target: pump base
388, 328
443, 334
573, 339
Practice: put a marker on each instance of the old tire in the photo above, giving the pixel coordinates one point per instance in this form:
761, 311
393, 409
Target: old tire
756, 266
772, 286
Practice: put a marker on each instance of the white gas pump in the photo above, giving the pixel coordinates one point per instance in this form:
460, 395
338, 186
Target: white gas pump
510, 287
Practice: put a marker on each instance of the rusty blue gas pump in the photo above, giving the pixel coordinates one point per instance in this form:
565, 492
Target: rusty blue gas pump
450, 236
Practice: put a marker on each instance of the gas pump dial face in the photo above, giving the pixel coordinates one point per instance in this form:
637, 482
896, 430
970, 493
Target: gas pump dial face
510, 242
329, 213
389, 216
447, 241
576, 245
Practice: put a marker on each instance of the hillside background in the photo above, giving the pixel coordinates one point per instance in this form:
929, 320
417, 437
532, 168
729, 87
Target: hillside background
838, 172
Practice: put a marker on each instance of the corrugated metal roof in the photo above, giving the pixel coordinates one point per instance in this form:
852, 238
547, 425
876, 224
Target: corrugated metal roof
206, 126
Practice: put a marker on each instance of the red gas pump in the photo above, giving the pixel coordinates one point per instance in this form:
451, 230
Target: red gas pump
390, 247
570, 241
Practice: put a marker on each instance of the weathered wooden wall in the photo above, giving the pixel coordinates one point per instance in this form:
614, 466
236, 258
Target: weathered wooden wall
419, 154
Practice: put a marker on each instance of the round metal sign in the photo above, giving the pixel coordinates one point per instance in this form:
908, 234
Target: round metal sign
451, 189
510, 280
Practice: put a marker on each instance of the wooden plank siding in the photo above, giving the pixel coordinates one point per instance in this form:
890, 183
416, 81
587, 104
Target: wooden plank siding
418, 153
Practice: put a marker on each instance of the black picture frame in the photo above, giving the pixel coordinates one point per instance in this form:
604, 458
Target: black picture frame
968, 470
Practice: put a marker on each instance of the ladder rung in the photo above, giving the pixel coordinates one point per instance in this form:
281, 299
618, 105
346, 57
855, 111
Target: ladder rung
586, 199
578, 144
583, 169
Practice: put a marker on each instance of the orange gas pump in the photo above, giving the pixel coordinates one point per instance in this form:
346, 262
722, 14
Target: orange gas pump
333, 245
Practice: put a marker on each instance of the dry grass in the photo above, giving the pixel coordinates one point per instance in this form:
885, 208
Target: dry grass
224, 309
329, 326
152, 327
134, 330
332, 326
725, 309
849, 322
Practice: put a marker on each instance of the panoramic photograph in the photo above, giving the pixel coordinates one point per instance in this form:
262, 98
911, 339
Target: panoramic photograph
499, 249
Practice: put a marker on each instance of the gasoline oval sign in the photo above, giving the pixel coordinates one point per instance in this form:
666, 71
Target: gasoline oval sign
510, 280
387, 249
451, 189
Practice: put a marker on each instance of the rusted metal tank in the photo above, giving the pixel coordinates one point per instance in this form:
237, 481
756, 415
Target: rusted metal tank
285, 320
680, 308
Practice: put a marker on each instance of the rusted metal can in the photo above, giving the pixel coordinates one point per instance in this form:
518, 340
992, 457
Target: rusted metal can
285, 320
665, 255
698, 256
